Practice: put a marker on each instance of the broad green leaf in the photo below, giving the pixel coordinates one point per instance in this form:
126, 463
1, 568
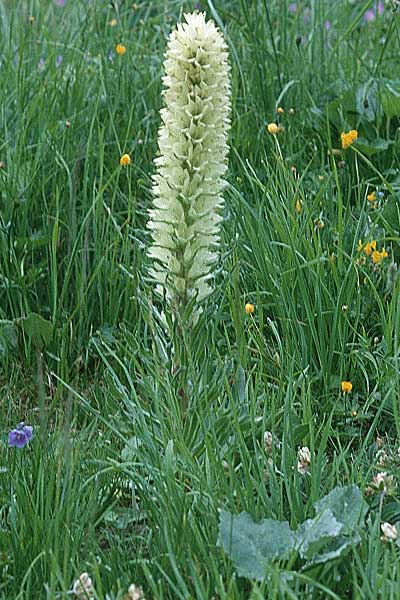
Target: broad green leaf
370, 148
37, 328
335, 548
250, 545
391, 511
367, 100
314, 534
390, 99
8, 338
346, 504
391, 213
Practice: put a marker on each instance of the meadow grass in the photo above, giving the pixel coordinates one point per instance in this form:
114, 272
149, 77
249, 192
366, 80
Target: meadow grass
132, 459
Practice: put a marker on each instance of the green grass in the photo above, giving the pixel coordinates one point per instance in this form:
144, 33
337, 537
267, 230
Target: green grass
133, 458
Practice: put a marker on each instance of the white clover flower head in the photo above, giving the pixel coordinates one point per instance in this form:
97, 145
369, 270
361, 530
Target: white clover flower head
135, 592
192, 162
390, 533
384, 483
83, 587
304, 460
268, 441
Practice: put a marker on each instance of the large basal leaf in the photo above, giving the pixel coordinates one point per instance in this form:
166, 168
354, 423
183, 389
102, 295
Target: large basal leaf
250, 545
391, 213
367, 100
347, 505
390, 99
334, 549
370, 148
314, 534
37, 328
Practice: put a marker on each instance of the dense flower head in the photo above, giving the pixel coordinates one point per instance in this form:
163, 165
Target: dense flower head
348, 138
83, 587
390, 533
120, 49
370, 247
378, 256
192, 161
304, 460
125, 160
346, 386
273, 128
249, 308
20, 436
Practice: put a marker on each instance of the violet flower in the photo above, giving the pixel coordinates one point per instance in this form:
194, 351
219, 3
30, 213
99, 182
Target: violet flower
59, 60
20, 436
371, 14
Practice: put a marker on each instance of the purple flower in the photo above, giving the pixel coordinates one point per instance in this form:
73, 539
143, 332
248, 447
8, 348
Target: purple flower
292, 8
59, 60
370, 15
60, 2
327, 25
41, 64
20, 436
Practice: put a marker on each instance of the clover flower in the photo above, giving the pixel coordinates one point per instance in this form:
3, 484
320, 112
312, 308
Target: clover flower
83, 587
20, 436
390, 533
304, 460
192, 140
134, 593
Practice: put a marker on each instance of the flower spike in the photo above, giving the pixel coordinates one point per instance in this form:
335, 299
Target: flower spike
192, 161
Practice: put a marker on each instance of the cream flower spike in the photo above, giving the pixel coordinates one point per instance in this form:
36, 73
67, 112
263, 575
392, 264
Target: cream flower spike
192, 162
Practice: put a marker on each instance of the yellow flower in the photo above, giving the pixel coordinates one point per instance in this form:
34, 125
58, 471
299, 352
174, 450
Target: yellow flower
249, 308
273, 128
31, 20
370, 247
377, 257
120, 49
371, 197
291, 111
359, 246
347, 386
348, 138
280, 110
299, 206
125, 160
113, 23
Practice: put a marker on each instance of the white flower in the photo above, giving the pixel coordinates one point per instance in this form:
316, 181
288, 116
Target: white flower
83, 587
192, 162
390, 532
268, 441
135, 593
304, 460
